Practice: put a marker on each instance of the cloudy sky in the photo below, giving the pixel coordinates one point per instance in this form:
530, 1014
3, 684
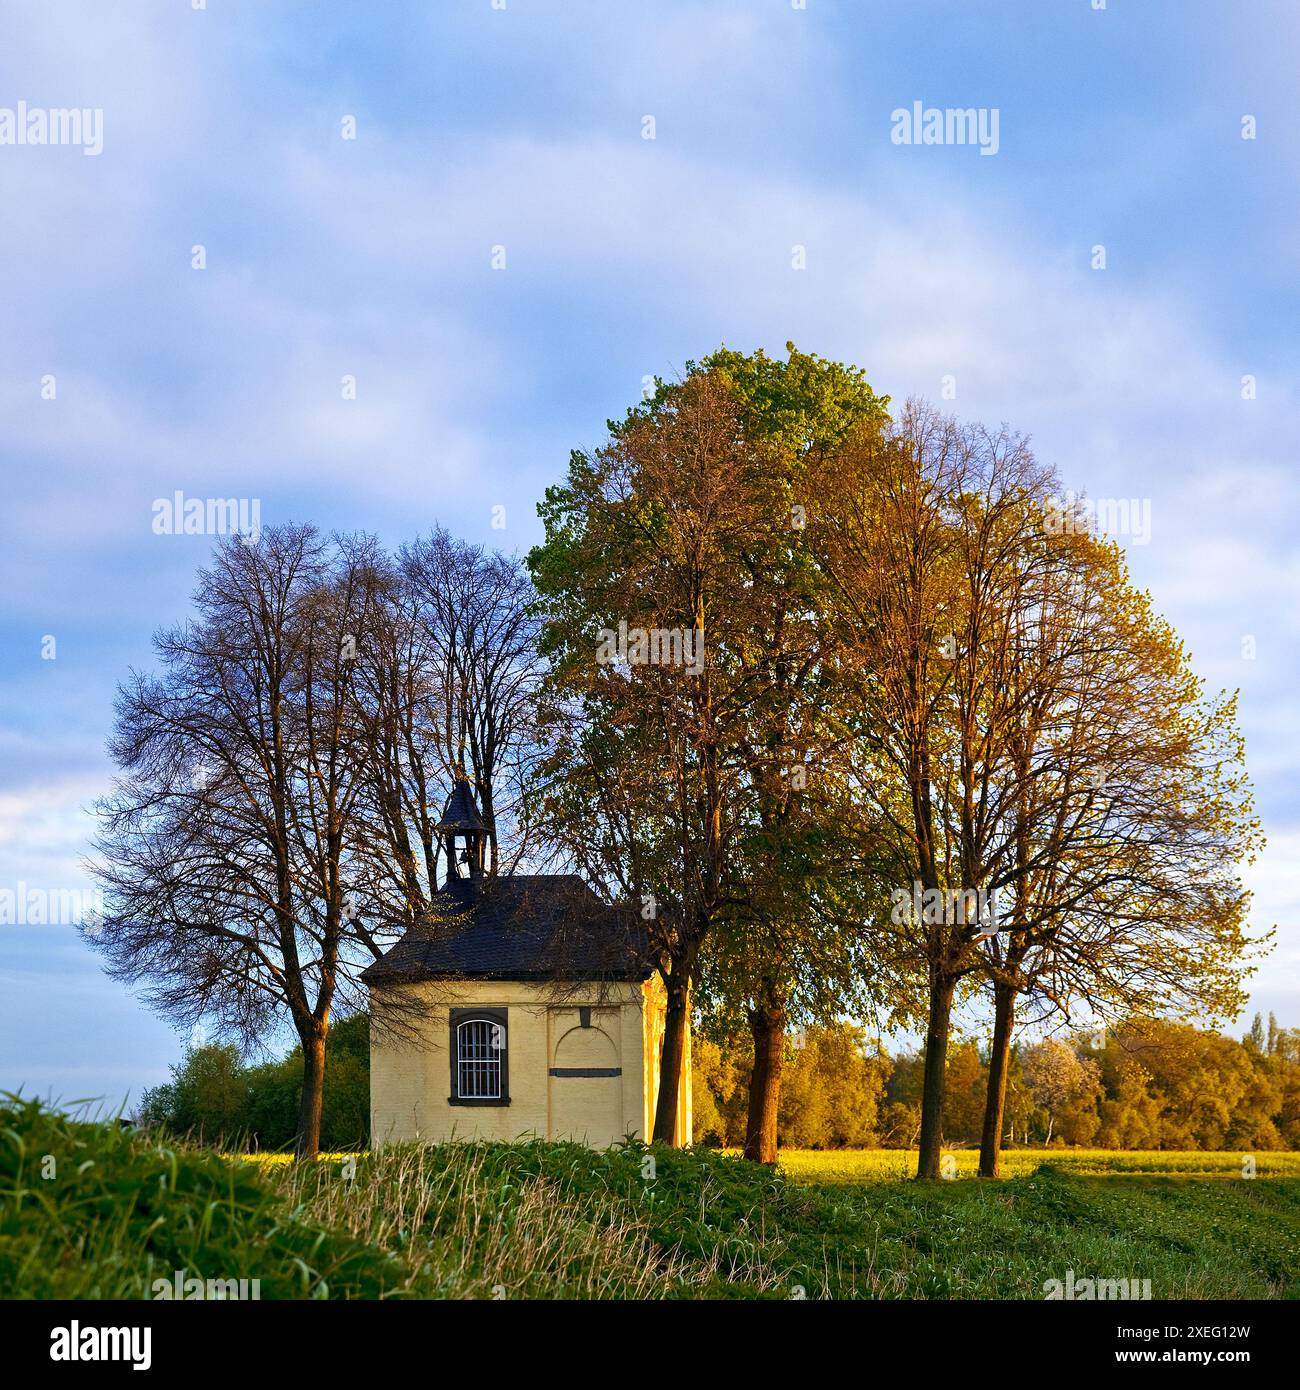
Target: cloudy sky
772, 204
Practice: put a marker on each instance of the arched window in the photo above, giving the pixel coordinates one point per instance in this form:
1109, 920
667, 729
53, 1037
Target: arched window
478, 1057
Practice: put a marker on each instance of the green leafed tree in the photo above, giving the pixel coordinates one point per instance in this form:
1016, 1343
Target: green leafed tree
681, 784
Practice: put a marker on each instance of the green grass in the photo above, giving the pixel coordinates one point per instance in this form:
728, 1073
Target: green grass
548, 1220
95, 1211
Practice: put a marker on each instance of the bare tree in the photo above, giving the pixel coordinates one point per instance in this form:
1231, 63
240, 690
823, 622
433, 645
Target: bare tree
453, 676
473, 614
232, 840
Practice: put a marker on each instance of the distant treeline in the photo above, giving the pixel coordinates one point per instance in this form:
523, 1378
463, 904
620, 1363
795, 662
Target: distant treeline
1161, 1086
213, 1096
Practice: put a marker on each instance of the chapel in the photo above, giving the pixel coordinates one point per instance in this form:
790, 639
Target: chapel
524, 1006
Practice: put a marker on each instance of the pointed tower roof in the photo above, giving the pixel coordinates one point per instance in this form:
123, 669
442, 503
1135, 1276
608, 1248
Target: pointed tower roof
461, 815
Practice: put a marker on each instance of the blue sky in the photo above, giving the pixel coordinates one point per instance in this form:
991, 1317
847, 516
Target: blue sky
522, 128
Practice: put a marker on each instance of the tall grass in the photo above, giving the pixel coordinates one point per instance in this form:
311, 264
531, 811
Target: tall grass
554, 1220
469, 1226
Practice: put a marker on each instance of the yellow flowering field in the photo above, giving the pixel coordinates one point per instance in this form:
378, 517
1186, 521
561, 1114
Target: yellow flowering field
882, 1165
288, 1158
885, 1165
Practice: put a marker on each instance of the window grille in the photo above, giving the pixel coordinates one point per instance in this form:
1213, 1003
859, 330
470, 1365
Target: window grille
479, 1045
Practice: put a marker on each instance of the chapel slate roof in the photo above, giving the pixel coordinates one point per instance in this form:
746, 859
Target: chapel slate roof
517, 927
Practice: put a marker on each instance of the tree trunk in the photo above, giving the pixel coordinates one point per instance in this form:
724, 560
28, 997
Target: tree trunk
767, 1024
936, 1075
1004, 1017
672, 1060
313, 1092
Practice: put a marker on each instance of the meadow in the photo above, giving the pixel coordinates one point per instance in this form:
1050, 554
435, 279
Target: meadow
96, 1211
884, 1165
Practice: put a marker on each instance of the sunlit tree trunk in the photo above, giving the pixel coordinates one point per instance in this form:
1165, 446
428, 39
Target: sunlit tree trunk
767, 1025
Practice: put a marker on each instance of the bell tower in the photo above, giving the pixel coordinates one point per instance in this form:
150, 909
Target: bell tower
462, 822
